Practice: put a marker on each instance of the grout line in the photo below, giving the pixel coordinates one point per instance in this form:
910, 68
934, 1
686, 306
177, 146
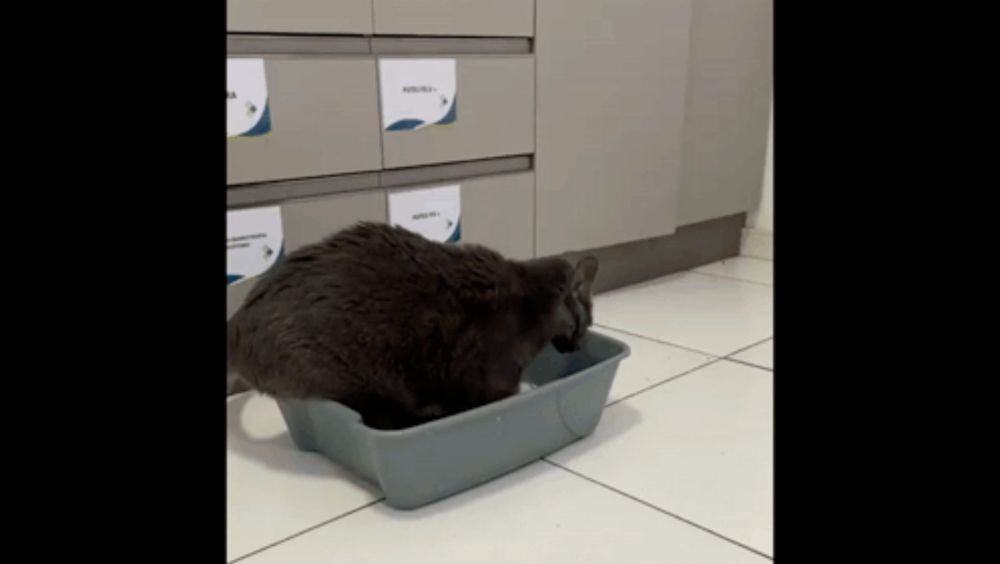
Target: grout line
750, 364
737, 257
661, 341
660, 509
696, 271
748, 347
658, 384
715, 359
304, 531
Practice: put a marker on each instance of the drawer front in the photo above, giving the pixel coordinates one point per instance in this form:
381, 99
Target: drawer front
322, 16
496, 211
497, 18
499, 212
324, 120
310, 220
495, 102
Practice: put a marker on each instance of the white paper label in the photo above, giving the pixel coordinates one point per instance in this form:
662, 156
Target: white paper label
435, 213
417, 93
254, 242
247, 112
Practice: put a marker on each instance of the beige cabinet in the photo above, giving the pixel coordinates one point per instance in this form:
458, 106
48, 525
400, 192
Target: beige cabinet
502, 18
612, 79
728, 105
495, 104
299, 16
324, 120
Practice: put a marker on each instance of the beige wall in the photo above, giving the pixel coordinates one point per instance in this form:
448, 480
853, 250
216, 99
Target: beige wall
763, 217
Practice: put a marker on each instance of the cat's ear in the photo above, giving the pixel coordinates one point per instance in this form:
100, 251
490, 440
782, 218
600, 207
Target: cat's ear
584, 274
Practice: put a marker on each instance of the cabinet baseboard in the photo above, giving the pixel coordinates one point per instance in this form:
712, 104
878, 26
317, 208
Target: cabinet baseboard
690, 246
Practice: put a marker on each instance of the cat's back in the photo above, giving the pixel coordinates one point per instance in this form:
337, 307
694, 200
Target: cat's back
363, 266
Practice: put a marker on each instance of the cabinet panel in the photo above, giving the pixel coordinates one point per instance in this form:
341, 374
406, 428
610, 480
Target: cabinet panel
728, 106
303, 16
324, 120
510, 18
611, 85
499, 212
495, 104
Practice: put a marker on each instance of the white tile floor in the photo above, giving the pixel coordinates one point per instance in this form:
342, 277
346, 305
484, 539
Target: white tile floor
679, 470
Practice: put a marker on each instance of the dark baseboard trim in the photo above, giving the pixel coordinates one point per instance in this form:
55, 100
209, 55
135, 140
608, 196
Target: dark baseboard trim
689, 247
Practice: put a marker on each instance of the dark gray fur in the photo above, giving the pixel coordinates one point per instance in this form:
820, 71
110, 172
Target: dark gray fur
402, 329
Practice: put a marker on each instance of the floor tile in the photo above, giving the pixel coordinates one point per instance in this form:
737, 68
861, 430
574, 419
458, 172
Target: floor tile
649, 363
700, 446
539, 514
707, 313
761, 355
274, 490
742, 268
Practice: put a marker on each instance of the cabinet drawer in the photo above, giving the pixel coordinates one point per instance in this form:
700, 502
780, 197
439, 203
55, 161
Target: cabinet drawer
324, 120
510, 18
495, 102
309, 220
496, 211
499, 212
309, 16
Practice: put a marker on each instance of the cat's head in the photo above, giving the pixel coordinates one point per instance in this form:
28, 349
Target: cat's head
574, 312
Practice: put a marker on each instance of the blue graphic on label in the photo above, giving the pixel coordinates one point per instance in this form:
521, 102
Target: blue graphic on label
248, 113
254, 242
418, 93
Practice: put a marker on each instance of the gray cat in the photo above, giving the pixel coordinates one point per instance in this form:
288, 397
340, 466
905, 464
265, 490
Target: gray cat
402, 329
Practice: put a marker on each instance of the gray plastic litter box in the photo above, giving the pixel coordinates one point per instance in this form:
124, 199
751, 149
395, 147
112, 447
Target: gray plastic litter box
421, 464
